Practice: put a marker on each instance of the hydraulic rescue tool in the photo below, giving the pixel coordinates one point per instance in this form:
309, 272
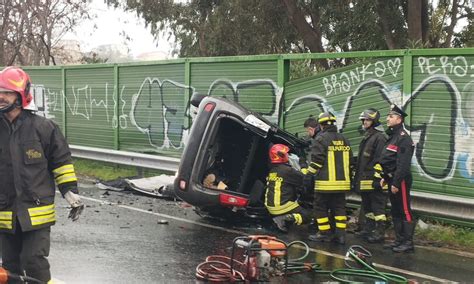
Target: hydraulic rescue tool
253, 258
257, 258
265, 256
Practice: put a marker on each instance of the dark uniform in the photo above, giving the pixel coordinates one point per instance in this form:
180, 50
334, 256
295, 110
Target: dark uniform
374, 198
33, 156
396, 161
283, 185
307, 197
331, 157
310, 124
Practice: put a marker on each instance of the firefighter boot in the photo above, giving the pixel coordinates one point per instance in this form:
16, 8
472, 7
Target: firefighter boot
339, 237
398, 228
407, 244
378, 234
284, 221
322, 237
367, 228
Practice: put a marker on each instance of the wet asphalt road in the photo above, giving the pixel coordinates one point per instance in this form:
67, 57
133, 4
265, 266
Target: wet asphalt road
118, 240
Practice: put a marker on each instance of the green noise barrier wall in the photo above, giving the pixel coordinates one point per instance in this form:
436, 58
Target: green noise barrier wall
144, 107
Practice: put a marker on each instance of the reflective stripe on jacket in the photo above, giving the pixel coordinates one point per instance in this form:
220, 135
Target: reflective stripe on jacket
283, 184
34, 155
331, 153
370, 149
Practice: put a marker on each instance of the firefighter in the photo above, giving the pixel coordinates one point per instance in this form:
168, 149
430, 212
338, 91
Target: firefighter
374, 198
283, 186
395, 163
34, 155
331, 156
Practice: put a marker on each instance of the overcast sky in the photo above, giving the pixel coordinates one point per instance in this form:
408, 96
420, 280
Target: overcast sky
110, 26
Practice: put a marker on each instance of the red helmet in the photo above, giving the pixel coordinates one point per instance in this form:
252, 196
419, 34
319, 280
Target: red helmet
16, 80
279, 154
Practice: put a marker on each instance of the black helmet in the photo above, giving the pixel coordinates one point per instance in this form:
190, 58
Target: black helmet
370, 114
326, 118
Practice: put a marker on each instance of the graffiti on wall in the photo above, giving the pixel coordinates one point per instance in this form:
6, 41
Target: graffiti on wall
441, 123
46, 101
450, 78
83, 101
234, 91
158, 109
343, 82
440, 126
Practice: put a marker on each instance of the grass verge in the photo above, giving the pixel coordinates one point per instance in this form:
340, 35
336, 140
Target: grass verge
446, 235
108, 171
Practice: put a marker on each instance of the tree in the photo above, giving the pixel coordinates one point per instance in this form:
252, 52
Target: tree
465, 38
418, 23
93, 58
14, 19
219, 27
31, 28
231, 27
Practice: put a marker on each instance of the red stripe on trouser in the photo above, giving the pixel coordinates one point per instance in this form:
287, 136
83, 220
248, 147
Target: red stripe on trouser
405, 201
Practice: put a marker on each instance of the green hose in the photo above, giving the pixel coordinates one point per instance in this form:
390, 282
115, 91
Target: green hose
304, 255
368, 271
355, 253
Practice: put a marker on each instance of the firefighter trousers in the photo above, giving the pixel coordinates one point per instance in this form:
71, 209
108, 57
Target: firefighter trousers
374, 202
334, 203
301, 215
27, 252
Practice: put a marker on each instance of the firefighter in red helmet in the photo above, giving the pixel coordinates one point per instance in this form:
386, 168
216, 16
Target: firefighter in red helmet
34, 156
284, 184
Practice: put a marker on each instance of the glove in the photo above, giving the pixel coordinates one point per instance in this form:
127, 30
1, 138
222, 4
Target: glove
76, 204
376, 184
378, 172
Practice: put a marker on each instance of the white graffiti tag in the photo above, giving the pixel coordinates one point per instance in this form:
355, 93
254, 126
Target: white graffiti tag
343, 81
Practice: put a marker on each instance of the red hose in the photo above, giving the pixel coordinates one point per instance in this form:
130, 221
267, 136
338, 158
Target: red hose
216, 268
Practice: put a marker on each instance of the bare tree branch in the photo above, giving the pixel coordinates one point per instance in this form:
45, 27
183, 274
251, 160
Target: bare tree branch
454, 21
311, 35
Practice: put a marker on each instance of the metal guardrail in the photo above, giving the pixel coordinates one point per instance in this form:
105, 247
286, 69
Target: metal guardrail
449, 207
126, 158
437, 205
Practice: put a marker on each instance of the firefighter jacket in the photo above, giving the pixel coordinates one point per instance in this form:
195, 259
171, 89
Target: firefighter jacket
34, 155
283, 185
370, 149
331, 158
396, 156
